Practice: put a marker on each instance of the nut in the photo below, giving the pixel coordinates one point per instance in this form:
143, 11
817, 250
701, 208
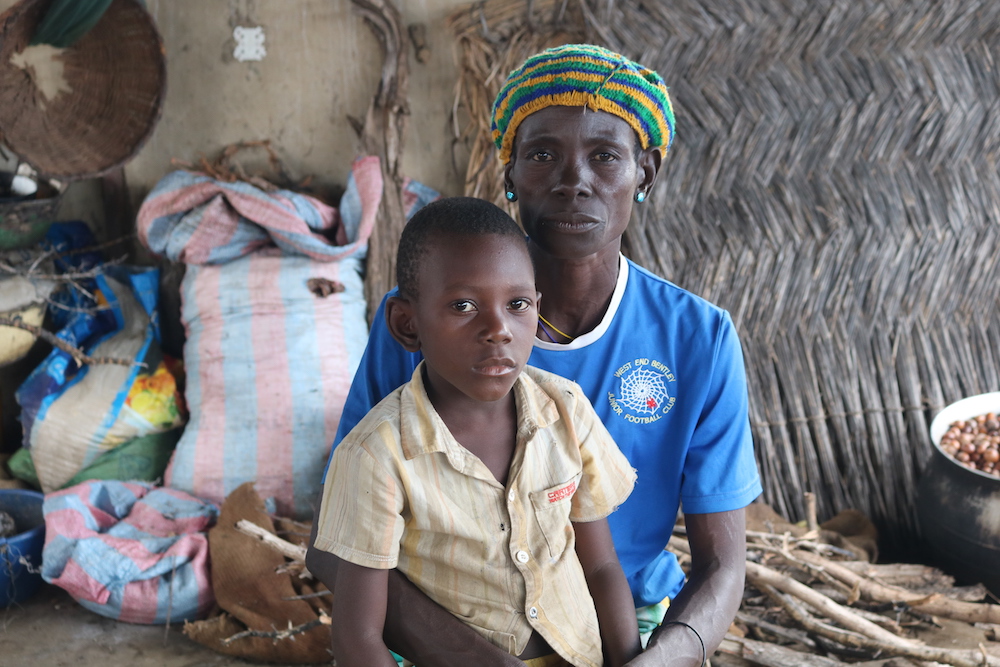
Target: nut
975, 443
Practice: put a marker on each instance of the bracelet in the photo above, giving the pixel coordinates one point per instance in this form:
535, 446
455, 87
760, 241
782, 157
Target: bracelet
704, 653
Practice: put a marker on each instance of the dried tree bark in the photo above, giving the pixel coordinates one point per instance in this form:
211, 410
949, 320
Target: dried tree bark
383, 133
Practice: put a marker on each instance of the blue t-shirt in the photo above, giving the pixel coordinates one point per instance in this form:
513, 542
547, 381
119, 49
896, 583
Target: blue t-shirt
664, 370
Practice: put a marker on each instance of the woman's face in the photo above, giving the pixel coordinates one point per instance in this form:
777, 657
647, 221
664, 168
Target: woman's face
575, 172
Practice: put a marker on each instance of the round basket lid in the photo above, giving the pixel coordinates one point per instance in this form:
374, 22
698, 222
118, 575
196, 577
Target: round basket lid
116, 78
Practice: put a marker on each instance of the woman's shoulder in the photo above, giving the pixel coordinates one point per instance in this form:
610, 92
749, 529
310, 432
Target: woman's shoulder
663, 299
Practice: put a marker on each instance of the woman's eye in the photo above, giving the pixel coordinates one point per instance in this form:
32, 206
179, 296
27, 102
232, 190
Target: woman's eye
464, 306
520, 305
605, 157
541, 156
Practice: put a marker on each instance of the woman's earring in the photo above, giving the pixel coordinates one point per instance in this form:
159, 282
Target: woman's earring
511, 196
640, 197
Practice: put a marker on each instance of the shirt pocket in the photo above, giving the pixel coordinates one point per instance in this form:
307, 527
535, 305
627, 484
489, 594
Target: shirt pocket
552, 509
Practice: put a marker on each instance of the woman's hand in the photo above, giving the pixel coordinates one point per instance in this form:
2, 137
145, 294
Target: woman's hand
711, 596
670, 647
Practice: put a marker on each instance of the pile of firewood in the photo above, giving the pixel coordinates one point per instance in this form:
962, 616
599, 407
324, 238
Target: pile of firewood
810, 602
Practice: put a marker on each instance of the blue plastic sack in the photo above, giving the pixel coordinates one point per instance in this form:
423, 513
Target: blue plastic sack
71, 414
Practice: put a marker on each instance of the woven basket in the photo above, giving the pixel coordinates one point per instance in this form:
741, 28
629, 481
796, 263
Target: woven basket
117, 73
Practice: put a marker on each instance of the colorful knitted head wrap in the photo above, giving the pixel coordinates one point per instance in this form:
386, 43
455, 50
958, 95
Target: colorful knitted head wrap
579, 75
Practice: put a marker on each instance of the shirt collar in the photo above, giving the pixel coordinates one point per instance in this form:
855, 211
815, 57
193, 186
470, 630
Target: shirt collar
535, 410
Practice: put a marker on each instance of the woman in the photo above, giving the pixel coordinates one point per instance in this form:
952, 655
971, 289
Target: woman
582, 132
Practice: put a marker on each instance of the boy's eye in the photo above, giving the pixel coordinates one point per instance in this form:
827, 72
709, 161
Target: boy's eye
520, 305
464, 306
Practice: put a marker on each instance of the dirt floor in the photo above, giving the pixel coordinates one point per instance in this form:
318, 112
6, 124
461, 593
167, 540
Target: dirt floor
51, 630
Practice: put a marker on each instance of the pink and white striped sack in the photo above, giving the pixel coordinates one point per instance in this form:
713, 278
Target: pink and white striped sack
268, 361
130, 551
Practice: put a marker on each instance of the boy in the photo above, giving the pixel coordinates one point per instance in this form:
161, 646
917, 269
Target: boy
487, 487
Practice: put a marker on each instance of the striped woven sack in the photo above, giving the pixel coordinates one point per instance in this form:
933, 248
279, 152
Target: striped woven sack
269, 359
130, 551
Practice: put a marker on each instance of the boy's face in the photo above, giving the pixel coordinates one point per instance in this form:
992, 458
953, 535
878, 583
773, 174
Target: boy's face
475, 315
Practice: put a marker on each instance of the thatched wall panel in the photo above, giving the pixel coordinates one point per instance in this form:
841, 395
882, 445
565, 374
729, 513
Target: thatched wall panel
835, 186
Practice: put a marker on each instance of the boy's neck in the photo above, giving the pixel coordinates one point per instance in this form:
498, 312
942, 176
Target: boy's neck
486, 429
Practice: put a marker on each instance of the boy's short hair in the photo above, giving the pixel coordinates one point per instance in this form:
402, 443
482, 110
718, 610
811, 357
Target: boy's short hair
448, 217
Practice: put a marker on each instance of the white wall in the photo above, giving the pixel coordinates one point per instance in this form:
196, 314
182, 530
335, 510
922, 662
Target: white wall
322, 64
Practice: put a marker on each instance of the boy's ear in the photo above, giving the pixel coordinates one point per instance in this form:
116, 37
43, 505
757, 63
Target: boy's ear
399, 317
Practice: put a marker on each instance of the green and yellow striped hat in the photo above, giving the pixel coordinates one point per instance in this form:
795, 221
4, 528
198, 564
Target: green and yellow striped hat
584, 75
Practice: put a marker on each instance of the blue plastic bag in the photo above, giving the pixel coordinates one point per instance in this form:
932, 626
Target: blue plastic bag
72, 414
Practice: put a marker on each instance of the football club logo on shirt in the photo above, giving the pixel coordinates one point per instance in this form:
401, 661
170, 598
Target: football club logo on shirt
644, 391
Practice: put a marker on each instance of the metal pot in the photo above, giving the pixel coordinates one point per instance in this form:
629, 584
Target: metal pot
958, 508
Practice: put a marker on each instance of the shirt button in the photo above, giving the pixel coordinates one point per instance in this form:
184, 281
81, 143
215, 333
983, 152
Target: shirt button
511, 496
533, 612
522, 556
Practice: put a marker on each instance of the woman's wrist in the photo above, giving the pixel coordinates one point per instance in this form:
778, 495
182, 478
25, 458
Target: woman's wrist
678, 640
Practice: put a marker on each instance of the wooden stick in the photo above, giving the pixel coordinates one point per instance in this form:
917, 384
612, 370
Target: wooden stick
860, 632
99, 246
68, 276
285, 548
958, 658
278, 635
772, 655
760, 575
793, 634
383, 134
804, 542
879, 619
309, 596
811, 522
78, 355
817, 572
913, 576
939, 605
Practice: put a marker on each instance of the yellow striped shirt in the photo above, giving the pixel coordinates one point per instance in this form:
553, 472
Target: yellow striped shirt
402, 492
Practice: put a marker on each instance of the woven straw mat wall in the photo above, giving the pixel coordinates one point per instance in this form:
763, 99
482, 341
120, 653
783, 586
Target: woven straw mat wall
835, 186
